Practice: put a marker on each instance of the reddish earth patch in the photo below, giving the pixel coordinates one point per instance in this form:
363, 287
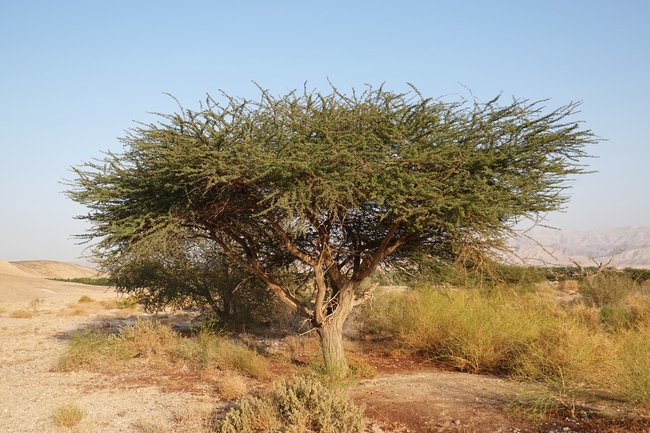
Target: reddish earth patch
411, 395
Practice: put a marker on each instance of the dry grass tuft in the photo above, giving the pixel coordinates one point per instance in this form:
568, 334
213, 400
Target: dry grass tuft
68, 415
36, 304
232, 387
143, 426
159, 346
148, 338
21, 314
238, 357
634, 366
568, 286
128, 303
360, 369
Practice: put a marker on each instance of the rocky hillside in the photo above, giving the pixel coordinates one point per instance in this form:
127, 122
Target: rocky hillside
628, 246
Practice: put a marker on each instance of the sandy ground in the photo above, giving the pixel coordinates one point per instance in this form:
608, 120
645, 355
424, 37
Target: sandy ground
31, 390
406, 396
53, 269
30, 347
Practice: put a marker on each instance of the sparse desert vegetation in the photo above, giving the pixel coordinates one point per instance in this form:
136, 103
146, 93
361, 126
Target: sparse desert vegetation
68, 415
572, 349
301, 404
575, 338
159, 346
21, 314
593, 342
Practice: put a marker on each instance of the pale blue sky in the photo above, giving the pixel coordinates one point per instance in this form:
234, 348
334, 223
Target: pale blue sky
75, 74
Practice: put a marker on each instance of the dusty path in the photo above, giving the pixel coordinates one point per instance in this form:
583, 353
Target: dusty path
440, 401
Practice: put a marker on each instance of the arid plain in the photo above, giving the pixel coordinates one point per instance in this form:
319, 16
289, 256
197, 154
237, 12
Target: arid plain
38, 315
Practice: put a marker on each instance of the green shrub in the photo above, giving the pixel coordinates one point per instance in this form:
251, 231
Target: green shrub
608, 288
297, 405
613, 317
638, 275
102, 281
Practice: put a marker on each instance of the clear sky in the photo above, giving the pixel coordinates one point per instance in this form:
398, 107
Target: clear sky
74, 75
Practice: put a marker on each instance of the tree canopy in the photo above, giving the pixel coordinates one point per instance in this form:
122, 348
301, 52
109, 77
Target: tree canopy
331, 185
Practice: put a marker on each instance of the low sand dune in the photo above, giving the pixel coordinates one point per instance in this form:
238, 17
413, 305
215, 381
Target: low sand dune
7, 268
19, 285
53, 269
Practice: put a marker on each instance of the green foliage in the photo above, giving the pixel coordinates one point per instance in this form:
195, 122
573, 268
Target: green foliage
90, 281
613, 317
294, 406
606, 289
194, 275
638, 275
327, 187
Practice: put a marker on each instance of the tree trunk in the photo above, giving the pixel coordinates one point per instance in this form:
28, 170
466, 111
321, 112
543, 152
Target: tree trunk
331, 340
331, 335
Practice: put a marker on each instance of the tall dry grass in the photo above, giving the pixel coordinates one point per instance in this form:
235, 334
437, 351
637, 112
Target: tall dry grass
633, 365
159, 346
528, 335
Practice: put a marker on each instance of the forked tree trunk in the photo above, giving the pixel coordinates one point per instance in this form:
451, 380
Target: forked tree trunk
331, 336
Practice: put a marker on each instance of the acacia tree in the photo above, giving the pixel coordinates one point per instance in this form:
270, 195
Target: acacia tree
332, 185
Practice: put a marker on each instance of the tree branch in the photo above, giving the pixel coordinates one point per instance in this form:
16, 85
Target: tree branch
283, 294
287, 242
383, 250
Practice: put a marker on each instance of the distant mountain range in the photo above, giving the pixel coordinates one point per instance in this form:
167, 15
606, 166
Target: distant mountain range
626, 246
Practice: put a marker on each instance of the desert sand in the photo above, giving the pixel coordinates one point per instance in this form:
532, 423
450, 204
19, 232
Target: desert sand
406, 396
21, 282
